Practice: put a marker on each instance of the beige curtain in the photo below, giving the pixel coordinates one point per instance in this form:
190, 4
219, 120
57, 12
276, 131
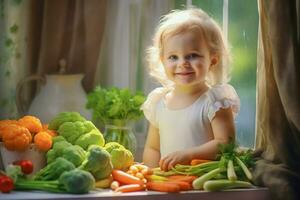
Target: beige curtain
278, 98
71, 30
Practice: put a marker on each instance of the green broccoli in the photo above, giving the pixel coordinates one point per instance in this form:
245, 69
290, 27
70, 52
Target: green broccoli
97, 162
65, 117
53, 170
74, 181
58, 139
81, 133
57, 150
77, 181
51, 156
94, 137
74, 154
121, 157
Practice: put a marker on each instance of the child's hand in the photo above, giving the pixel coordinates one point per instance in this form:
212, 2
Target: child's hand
178, 157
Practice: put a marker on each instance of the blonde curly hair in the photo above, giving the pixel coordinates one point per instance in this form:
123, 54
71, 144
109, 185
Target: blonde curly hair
180, 21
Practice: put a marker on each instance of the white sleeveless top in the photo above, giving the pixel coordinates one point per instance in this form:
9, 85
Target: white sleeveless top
188, 127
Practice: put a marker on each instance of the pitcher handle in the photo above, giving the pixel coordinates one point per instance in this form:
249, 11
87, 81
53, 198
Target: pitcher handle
19, 91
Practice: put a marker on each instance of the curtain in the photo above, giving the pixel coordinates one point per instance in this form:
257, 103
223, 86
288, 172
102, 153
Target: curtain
130, 25
278, 98
72, 30
129, 28
14, 18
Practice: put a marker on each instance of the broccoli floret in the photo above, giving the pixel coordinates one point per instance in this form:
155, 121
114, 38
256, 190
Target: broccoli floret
71, 130
53, 170
51, 156
81, 133
97, 162
74, 154
58, 139
77, 181
57, 150
65, 117
94, 137
103, 173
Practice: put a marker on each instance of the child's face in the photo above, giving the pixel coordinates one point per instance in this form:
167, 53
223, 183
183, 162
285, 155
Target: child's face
186, 58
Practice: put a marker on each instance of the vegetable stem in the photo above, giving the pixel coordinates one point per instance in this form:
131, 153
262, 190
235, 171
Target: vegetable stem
230, 171
244, 168
198, 183
216, 185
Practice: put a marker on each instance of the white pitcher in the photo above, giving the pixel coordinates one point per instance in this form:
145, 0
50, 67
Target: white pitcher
57, 93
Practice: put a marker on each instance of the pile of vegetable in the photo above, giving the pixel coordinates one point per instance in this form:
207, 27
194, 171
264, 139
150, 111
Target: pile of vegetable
231, 170
78, 160
76, 130
17, 135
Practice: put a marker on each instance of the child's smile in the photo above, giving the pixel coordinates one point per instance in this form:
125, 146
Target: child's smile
186, 58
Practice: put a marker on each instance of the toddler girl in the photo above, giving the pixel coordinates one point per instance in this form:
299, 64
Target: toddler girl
194, 110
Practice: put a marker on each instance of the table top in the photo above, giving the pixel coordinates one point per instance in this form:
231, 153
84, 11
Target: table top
236, 194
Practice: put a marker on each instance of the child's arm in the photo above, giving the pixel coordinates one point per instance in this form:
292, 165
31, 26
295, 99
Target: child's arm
152, 148
223, 129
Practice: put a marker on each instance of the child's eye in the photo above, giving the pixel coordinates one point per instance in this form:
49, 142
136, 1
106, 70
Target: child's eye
192, 56
172, 57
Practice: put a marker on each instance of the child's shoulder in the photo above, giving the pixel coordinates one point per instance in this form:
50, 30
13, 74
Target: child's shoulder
223, 96
222, 91
154, 97
157, 94
150, 105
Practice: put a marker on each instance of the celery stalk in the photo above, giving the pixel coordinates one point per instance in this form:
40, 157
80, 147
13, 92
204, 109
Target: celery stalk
198, 183
223, 184
244, 168
230, 171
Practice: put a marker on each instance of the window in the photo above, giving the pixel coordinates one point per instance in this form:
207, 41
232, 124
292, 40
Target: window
242, 35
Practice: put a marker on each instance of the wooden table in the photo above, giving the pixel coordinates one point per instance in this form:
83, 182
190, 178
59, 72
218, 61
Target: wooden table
237, 194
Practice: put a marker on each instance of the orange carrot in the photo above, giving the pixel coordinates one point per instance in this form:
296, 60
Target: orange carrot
182, 184
163, 186
188, 179
130, 188
125, 178
198, 161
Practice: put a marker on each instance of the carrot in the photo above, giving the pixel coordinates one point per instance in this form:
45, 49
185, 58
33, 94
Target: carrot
198, 161
125, 178
182, 184
130, 188
184, 178
163, 186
